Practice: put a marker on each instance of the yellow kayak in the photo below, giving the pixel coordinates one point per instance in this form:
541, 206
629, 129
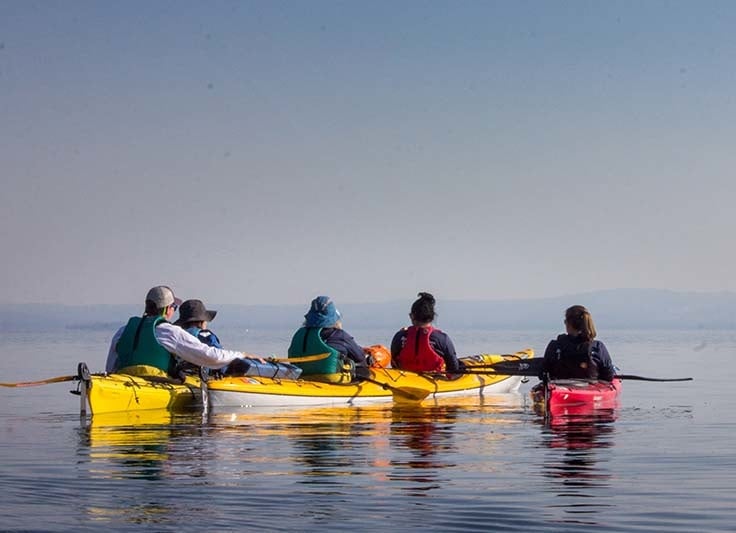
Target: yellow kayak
385, 384
115, 393
111, 393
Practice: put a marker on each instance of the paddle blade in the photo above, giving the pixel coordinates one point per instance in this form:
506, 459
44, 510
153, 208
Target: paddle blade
403, 394
642, 378
516, 367
409, 394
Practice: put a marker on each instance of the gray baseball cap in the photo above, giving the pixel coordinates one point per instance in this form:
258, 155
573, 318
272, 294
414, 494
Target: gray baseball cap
162, 296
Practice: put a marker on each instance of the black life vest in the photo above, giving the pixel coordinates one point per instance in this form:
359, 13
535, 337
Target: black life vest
574, 358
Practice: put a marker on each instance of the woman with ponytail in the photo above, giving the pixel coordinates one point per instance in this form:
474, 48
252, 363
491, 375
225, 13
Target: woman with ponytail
422, 347
576, 354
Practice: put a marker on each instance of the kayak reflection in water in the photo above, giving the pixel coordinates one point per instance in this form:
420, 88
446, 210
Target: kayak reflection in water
574, 458
575, 354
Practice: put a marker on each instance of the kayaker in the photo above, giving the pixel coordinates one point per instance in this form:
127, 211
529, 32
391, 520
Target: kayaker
322, 333
576, 354
152, 341
194, 317
421, 347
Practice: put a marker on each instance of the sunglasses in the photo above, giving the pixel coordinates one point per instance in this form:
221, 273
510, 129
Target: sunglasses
174, 307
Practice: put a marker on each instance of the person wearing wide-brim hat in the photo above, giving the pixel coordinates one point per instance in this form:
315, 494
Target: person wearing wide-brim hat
194, 317
194, 311
150, 343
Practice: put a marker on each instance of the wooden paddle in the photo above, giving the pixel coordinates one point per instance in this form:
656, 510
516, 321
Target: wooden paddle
302, 359
58, 379
402, 394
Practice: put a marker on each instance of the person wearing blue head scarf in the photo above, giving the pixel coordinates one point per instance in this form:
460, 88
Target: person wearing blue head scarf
322, 314
322, 333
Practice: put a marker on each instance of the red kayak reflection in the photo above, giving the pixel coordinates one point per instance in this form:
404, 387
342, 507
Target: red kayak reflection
577, 431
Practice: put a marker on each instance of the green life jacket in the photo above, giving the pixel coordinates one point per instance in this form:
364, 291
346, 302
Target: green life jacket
138, 345
307, 341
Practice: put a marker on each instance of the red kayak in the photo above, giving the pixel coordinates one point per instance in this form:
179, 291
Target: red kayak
576, 396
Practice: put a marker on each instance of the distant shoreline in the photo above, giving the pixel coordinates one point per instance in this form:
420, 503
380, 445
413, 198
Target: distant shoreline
611, 309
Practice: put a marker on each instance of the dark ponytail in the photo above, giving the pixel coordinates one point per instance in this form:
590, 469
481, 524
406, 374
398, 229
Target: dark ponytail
422, 310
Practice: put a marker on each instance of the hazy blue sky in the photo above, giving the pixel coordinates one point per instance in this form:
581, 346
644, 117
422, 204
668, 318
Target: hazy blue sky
267, 152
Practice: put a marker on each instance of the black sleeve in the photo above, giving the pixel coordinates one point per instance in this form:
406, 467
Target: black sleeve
344, 343
444, 346
606, 370
397, 343
549, 354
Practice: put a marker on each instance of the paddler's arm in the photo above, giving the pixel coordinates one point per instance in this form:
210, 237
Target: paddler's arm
446, 349
606, 371
550, 353
112, 354
397, 343
210, 339
343, 342
191, 349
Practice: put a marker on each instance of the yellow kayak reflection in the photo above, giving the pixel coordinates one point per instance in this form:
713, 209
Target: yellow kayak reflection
134, 436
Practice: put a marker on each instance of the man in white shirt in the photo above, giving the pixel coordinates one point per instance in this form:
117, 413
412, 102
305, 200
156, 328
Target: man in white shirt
151, 341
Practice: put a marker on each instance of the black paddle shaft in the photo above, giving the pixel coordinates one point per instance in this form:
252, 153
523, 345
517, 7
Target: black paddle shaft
533, 367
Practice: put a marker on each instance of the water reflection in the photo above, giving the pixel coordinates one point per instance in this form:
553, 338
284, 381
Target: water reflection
127, 445
387, 443
577, 465
324, 442
581, 432
149, 469
337, 443
428, 434
119, 448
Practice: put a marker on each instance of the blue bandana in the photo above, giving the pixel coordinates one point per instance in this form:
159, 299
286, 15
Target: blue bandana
322, 313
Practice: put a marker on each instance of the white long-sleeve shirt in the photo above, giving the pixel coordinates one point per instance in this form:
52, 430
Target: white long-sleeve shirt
178, 342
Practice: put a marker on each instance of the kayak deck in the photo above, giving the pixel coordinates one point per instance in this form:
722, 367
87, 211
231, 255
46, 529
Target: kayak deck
386, 384
120, 392
575, 396
110, 393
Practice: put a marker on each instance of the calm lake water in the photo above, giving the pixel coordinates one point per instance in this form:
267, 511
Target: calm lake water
666, 461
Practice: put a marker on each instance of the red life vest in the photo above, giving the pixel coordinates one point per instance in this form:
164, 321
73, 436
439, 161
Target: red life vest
417, 354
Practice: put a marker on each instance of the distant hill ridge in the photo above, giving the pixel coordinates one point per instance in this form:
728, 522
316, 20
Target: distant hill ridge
615, 308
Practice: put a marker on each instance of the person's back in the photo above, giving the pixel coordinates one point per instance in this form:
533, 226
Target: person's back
576, 354
322, 333
421, 347
137, 347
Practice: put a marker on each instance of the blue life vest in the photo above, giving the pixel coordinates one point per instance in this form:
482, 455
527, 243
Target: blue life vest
206, 336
